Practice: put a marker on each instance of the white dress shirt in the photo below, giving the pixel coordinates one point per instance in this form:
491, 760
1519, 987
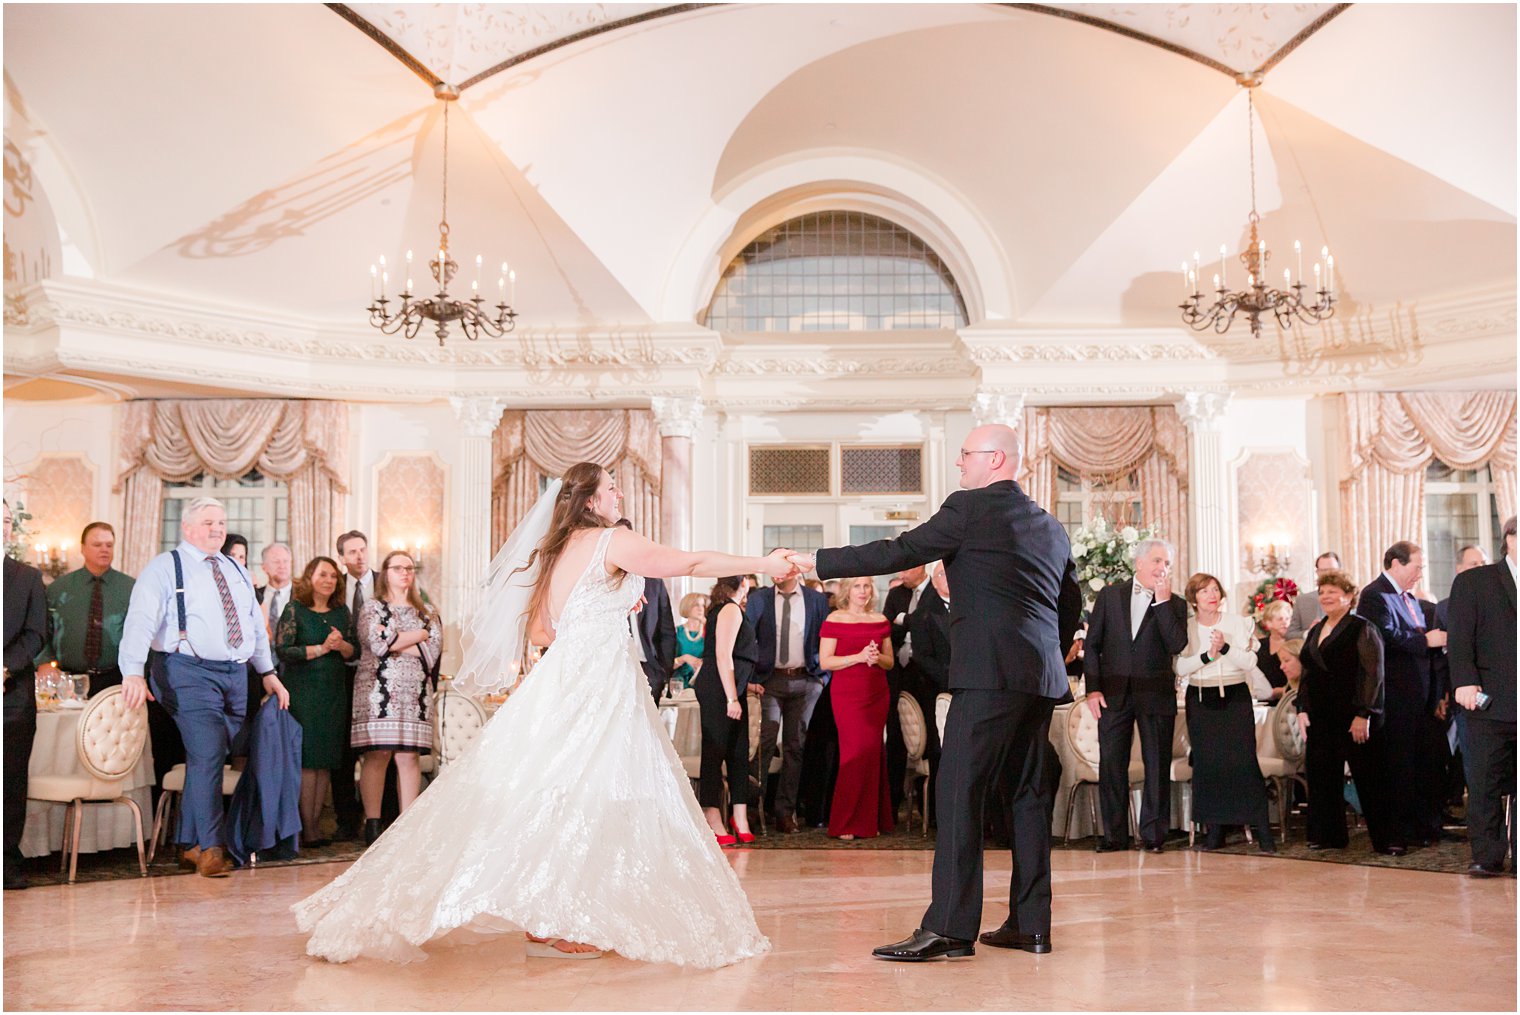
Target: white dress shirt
368, 581
791, 635
1140, 600
275, 601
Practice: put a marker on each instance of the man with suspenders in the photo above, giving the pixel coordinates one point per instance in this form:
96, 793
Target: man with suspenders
196, 609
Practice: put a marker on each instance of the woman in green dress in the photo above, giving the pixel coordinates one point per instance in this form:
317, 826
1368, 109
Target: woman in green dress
691, 637
313, 638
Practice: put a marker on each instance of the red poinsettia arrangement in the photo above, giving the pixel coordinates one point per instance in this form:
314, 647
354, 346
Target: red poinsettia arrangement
1269, 590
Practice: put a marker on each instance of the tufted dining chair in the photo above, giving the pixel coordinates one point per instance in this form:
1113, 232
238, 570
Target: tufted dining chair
457, 721
1280, 753
109, 742
1079, 757
915, 733
941, 713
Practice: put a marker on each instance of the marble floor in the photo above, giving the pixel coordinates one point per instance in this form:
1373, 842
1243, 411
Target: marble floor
1179, 931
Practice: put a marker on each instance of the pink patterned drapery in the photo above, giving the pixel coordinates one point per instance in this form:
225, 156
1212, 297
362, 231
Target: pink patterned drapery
530, 444
1389, 440
303, 443
1101, 444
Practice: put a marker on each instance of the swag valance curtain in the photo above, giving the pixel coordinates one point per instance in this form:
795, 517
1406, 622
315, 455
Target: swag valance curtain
1105, 443
302, 443
1389, 440
531, 444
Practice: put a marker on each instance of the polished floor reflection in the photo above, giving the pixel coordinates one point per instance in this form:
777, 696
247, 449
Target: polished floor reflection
1182, 931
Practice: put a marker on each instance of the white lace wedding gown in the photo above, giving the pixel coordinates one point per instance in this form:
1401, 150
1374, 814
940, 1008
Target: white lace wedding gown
570, 817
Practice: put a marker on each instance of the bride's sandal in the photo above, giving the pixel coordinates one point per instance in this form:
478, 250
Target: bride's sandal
545, 948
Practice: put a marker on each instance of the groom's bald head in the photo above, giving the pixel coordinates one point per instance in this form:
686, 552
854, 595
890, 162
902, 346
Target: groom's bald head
992, 453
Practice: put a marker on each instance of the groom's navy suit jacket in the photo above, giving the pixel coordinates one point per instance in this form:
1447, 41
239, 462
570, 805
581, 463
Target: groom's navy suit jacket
1014, 601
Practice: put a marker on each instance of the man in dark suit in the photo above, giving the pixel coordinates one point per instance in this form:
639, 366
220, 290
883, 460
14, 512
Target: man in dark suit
902, 599
656, 627
1412, 732
1481, 651
25, 633
929, 627
359, 588
1013, 607
1454, 787
788, 619
1136, 629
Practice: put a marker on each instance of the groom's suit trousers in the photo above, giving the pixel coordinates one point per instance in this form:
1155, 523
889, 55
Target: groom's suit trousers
985, 731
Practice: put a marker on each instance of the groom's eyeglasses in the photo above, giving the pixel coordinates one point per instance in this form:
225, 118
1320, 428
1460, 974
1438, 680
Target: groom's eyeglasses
964, 453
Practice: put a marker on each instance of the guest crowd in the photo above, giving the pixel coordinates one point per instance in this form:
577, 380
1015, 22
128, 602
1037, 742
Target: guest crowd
1416, 699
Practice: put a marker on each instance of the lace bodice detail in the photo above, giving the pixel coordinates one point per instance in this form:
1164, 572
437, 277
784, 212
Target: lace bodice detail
598, 600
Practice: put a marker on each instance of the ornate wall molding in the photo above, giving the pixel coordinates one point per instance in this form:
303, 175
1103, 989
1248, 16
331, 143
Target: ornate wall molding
984, 355
677, 416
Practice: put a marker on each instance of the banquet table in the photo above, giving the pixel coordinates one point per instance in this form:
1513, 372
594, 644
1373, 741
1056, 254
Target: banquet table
105, 826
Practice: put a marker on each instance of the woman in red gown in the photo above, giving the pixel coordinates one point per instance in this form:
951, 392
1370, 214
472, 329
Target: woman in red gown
856, 645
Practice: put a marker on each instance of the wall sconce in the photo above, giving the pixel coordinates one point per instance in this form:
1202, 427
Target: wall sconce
52, 561
1269, 556
413, 548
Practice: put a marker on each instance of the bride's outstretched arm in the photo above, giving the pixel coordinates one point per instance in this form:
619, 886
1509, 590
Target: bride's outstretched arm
633, 552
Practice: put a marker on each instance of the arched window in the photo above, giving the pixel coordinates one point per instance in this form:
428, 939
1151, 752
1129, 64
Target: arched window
836, 271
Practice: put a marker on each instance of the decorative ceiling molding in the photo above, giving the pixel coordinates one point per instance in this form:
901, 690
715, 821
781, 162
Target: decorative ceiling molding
385, 34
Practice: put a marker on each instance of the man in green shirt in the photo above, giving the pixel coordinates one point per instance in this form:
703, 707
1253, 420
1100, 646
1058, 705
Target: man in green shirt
86, 609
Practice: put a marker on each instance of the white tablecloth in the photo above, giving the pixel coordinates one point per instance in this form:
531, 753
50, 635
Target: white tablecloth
104, 826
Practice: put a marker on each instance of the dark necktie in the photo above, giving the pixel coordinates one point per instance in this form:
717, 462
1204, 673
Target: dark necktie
92, 628
229, 608
783, 653
358, 596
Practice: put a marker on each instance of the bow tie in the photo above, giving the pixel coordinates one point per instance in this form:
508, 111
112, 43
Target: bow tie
1141, 590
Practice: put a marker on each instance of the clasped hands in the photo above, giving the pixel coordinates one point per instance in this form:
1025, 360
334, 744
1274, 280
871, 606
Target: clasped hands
783, 564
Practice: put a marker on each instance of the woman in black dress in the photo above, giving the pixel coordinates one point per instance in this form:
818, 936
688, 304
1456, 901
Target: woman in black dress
1340, 707
1228, 788
728, 663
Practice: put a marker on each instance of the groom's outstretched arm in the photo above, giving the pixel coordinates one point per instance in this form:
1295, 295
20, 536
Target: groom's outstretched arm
935, 539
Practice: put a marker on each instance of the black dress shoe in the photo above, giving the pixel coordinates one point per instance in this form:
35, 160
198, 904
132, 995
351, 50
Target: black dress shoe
1108, 846
1154, 847
1476, 870
787, 825
1393, 851
14, 881
1007, 937
924, 945
371, 830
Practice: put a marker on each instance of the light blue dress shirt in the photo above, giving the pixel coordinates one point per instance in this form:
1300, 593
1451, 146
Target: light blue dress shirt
153, 616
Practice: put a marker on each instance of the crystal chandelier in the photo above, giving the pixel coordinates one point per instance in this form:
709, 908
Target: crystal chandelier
1258, 298
472, 315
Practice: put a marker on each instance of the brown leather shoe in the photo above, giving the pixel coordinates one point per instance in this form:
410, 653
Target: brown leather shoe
189, 857
787, 824
213, 863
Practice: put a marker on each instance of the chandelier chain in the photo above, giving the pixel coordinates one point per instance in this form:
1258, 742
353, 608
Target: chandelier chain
443, 226
1250, 143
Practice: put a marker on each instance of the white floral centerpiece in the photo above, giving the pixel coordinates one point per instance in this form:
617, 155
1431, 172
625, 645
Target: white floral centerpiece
1104, 555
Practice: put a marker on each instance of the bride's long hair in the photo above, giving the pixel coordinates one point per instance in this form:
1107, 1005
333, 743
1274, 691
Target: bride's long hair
572, 512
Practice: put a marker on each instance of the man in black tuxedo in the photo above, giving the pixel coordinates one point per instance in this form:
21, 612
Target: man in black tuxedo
1412, 733
25, 633
656, 627
1137, 628
1454, 787
788, 619
929, 627
1481, 650
902, 599
1013, 607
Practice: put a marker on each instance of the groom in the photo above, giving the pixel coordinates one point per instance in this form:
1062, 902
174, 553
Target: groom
1014, 608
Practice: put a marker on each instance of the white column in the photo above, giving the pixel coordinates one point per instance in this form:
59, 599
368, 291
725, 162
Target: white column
470, 546
678, 419
1006, 407
1209, 539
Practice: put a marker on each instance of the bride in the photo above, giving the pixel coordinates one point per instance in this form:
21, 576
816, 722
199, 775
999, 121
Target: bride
570, 817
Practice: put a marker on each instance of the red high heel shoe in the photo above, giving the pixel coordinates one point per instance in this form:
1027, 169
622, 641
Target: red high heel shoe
744, 837
724, 840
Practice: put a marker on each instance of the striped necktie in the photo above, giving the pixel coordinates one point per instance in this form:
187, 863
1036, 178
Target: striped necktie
229, 608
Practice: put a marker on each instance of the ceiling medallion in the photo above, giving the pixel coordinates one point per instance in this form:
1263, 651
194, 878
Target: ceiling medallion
472, 315
1257, 299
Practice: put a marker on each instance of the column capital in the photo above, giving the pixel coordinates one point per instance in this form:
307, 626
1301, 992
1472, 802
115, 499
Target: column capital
1006, 407
677, 416
478, 415
1203, 409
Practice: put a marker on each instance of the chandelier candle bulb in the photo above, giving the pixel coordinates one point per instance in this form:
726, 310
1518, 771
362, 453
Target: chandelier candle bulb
1192, 284
501, 289
478, 262
1298, 253
1287, 279
374, 282
1330, 273
385, 278
1217, 286
512, 279
1185, 277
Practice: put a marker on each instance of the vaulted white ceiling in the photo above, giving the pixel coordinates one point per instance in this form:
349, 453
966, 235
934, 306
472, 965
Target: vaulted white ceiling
261, 156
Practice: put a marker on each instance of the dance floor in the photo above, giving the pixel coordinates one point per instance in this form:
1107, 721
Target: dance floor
1179, 931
